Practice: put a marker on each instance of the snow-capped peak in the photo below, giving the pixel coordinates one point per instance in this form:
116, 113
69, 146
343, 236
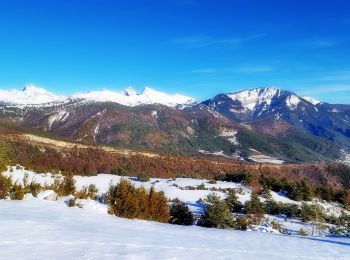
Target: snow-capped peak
147, 90
30, 95
254, 97
129, 97
129, 91
312, 100
30, 88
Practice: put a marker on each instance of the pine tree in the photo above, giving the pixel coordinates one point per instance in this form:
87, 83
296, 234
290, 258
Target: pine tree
122, 200
180, 214
125, 200
67, 187
158, 209
217, 213
232, 201
254, 205
17, 192
5, 186
266, 192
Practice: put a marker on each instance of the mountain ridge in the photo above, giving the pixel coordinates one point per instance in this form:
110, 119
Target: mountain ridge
17, 97
31, 95
272, 121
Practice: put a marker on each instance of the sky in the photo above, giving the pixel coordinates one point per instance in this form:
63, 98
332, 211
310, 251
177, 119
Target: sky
197, 48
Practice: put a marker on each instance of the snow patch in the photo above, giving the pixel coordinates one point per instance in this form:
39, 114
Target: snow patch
334, 110
219, 153
47, 195
312, 100
292, 101
231, 134
96, 130
263, 158
154, 113
60, 116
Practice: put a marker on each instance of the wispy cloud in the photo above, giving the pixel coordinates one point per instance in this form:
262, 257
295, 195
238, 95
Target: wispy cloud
342, 75
332, 93
198, 41
204, 71
319, 43
253, 69
325, 89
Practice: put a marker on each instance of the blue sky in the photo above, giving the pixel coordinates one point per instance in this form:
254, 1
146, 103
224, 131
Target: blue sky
193, 47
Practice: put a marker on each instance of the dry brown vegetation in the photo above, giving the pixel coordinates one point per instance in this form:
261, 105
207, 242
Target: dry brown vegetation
330, 181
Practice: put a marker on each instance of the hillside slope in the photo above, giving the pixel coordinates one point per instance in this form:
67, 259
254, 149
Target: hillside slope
162, 129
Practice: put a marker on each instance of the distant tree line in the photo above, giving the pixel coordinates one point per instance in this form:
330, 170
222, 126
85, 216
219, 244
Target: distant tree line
330, 181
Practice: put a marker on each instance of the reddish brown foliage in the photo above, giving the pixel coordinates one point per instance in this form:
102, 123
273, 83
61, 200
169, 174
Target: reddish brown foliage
93, 160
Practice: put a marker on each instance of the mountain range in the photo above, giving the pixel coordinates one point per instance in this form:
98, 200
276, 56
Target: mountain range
31, 95
260, 123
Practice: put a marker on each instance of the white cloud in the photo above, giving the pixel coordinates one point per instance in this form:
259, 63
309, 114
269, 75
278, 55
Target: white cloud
327, 88
197, 41
253, 69
342, 75
204, 71
319, 43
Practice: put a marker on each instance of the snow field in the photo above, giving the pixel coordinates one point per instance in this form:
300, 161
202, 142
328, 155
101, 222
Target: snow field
185, 189
39, 229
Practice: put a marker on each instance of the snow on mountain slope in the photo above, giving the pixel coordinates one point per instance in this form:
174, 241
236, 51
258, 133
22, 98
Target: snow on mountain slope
30, 95
260, 99
292, 101
312, 100
129, 91
252, 98
129, 97
263, 103
38, 229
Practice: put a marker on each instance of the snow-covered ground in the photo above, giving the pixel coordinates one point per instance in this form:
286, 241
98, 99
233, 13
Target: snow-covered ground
185, 189
263, 158
39, 229
190, 191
